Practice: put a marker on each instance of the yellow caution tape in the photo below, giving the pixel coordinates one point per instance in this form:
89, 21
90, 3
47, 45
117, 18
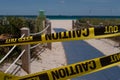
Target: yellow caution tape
87, 33
4, 76
75, 70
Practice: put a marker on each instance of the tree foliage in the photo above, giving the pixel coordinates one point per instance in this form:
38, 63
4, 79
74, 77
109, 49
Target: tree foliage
10, 27
95, 22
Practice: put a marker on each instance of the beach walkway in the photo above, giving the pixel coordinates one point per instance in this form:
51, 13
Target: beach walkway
64, 53
80, 50
77, 51
54, 58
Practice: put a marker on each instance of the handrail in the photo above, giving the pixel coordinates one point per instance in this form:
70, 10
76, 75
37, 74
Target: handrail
37, 34
35, 46
23, 50
40, 32
15, 61
9, 51
7, 54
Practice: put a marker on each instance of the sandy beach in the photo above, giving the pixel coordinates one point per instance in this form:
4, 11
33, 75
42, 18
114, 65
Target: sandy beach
106, 46
57, 56
49, 59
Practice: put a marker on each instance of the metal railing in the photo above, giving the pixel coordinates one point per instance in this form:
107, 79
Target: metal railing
23, 51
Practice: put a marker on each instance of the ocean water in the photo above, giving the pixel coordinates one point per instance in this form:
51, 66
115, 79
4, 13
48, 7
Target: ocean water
78, 17
73, 17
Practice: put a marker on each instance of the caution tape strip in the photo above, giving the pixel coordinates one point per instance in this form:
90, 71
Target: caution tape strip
75, 70
87, 33
4, 76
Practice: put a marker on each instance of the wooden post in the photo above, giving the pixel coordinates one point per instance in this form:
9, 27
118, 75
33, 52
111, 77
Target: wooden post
26, 56
47, 23
73, 24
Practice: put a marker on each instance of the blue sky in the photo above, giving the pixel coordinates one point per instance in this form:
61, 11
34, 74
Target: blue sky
60, 7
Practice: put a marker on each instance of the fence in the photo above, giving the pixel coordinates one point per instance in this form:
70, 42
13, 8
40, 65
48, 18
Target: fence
26, 56
114, 40
25, 53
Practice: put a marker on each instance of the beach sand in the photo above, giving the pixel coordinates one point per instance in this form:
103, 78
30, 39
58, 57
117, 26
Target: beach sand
56, 57
106, 46
49, 59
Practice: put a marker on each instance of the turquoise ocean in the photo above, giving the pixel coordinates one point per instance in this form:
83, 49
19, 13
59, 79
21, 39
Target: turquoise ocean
56, 17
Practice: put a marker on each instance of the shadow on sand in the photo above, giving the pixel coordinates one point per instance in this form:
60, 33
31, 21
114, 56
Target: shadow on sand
77, 51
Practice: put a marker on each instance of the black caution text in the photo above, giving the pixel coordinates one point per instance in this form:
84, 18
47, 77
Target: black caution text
68, 34
73, 70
